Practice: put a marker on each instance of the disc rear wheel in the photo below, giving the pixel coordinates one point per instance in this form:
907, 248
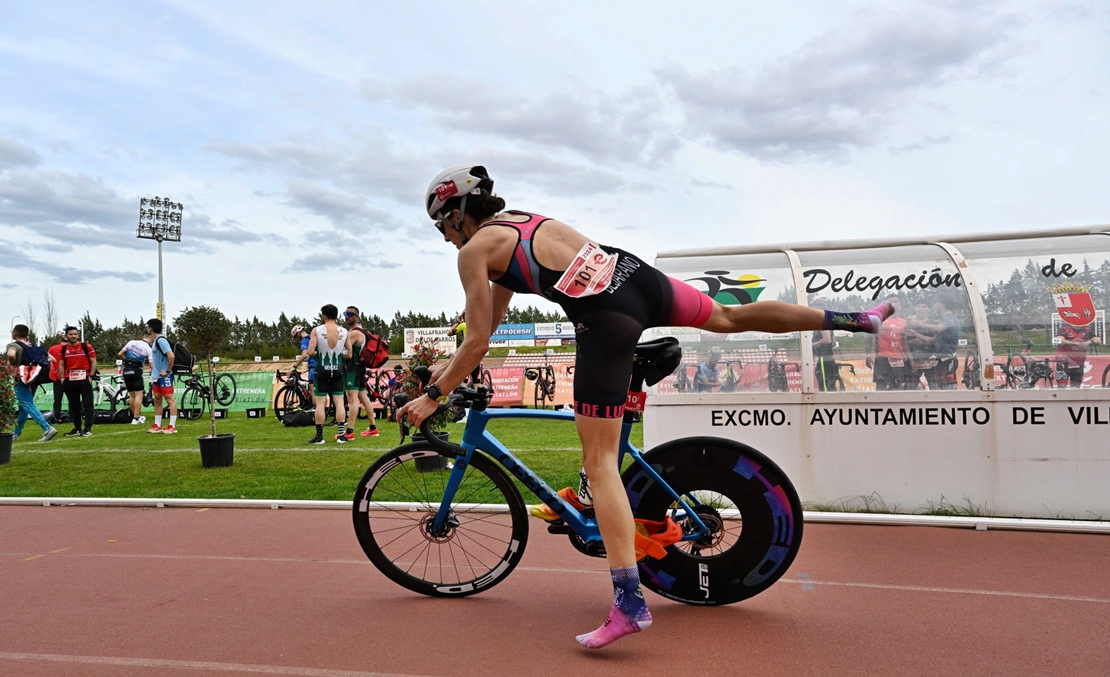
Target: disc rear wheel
751, 511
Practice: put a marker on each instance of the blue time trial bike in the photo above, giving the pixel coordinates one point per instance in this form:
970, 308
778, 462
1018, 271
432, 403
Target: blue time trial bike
448, 520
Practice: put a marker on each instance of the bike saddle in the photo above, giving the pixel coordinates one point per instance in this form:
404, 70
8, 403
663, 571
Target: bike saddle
656, 360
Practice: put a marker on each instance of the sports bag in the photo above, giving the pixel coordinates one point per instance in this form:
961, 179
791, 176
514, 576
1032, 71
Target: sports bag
183, 360
298, 419
375, 351
35, 356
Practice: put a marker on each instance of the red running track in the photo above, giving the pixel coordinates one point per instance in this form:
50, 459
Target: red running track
126, 591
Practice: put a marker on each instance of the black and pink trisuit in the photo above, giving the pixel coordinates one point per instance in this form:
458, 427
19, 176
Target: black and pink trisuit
608, 323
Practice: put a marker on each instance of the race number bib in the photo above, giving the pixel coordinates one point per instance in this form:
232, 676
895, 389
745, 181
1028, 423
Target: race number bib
897, 363
589, 273
77, 374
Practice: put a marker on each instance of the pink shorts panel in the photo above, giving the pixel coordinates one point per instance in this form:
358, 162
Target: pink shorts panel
689, 307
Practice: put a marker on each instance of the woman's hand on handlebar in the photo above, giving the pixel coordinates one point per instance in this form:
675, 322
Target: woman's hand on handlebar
419, 409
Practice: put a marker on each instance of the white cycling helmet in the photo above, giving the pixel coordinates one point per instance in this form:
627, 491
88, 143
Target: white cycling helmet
297, 328
458, 180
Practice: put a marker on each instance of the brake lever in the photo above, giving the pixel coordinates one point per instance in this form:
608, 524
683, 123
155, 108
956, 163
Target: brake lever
403, 422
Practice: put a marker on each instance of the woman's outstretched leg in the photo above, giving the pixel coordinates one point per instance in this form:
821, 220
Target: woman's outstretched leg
629, 614
777, 317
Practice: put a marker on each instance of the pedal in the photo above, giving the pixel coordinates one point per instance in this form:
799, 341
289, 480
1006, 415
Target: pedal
557, 527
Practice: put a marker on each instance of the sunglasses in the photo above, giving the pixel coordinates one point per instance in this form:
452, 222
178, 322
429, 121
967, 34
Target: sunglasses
441, 222
348, 313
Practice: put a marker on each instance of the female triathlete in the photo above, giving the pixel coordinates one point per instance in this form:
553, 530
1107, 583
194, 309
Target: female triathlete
611, 296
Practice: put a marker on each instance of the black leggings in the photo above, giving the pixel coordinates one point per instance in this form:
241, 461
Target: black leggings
80, 396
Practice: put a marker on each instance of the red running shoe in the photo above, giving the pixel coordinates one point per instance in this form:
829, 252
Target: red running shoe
370, 432
170, 430
154, 428
349, 436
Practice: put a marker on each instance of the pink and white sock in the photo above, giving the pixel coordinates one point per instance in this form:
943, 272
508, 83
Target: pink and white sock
628, 615
617, 624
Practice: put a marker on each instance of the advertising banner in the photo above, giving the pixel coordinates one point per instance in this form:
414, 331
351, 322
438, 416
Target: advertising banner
554, 333
434, 335
510, 335
253, 390
507, 390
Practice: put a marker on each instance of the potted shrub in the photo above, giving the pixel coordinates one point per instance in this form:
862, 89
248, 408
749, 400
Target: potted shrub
205, 330
424, 355
9, 409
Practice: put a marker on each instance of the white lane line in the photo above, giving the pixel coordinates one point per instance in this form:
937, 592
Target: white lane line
807, 581
955, 591
194, 665
804, 582
279, 560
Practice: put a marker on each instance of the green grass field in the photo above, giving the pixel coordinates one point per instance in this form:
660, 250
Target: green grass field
271, 461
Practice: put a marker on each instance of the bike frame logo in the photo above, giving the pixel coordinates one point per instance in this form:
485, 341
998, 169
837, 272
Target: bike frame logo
730, 291
1073, 303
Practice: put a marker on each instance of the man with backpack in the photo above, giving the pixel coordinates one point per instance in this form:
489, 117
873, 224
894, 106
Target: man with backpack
161, 376
78, 367
21, 353
358, 339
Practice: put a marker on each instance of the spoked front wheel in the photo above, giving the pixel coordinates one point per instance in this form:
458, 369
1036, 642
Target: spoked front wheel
480, 542
193, 403
752, 512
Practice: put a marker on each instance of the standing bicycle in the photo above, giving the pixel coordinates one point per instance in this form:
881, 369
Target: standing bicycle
544, 377
720, 521
295, 394
611, 296
194, 398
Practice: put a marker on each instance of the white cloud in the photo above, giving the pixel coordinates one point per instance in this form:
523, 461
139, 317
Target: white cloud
841, 90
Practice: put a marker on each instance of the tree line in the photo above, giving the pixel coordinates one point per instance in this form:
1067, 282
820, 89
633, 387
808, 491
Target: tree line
253, 336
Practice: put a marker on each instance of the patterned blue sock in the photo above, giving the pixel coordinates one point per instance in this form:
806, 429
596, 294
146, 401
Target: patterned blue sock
627, 595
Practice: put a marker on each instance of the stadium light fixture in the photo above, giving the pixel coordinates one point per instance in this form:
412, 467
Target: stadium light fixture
160, 220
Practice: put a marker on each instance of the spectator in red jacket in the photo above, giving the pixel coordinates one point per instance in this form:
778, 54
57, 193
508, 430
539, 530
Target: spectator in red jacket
78, 365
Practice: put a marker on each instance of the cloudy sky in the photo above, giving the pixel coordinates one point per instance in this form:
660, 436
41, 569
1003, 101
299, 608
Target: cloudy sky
301, 136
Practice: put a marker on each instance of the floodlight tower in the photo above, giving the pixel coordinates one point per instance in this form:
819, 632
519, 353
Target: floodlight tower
160, 219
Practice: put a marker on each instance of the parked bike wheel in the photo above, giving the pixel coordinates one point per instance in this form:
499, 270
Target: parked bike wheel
193, 403
749, 505
121, 399
487, 380
395, 507
1106, 377
290, 398
225, 389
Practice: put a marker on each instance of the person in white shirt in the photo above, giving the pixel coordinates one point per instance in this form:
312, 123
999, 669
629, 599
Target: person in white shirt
135, 354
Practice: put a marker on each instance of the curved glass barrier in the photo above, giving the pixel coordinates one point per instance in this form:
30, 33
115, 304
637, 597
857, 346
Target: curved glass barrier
1045, 301
743, 362
929, 343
